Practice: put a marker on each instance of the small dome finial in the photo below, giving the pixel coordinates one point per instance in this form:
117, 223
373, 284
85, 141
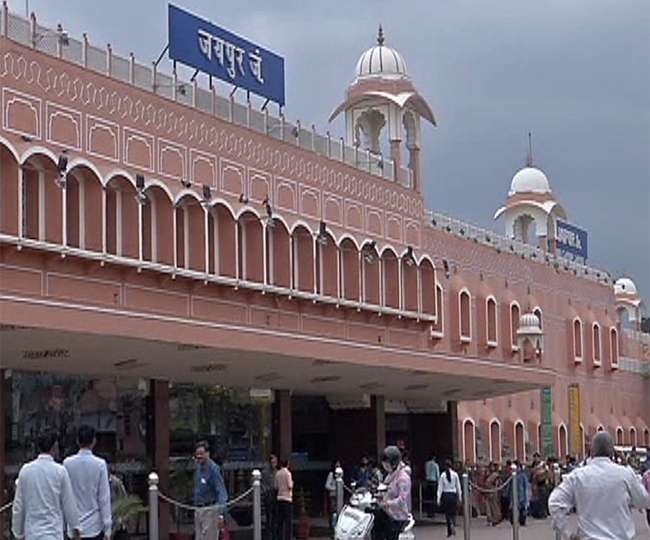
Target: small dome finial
529, 158
380, 36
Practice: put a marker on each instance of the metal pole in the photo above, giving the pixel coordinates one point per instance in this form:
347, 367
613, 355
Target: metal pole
515, 504
153, 506
257, 505
338, 473
467, 509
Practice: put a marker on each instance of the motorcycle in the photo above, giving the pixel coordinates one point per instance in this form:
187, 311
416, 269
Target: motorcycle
357, 518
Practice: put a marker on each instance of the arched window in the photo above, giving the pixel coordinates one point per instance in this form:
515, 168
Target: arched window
495, 441
646, 438
469, 441
596, 344
491, 321
514, 324
633, 439
520, 441
583, 442
562, 441
577, 340
620, 437
438, 329
613, 347
465, 320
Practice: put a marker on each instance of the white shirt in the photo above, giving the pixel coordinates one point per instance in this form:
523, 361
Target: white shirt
602, 492
43, 500
89, 478
449, 486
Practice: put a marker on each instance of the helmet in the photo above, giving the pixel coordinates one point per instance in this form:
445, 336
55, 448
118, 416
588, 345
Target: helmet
392, 456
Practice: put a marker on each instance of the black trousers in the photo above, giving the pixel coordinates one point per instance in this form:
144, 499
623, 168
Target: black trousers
285, 518
271, 514
385, 528
449, 506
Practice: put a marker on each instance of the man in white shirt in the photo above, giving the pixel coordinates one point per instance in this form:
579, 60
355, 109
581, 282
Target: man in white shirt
44, 499
89, 478
603, 494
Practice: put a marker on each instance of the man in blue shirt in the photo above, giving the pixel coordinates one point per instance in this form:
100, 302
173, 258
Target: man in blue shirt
209, 494
432, 473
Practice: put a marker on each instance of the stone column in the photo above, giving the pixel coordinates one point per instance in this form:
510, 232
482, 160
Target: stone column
283, 442
159, 423
395, 154
414, 165
378, 426
3, 444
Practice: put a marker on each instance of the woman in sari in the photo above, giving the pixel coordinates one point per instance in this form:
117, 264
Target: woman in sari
493, 501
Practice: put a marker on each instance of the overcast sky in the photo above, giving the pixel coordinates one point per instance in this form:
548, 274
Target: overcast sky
576, 73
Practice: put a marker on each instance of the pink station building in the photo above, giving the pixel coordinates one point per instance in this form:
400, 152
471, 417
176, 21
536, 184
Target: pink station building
175, 264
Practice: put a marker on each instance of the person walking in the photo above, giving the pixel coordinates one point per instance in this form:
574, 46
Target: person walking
89, 478
603, 494
646, 485
432, 475
44, 500
270, 496
523, 499
449, 496
493, 499
330, 489
284, 483
210, 494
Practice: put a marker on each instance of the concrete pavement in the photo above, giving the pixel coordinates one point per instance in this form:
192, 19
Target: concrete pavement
534, 530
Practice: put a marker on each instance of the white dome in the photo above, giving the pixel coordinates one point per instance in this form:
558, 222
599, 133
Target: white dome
529, 321
380, 60
625, 286
530, 180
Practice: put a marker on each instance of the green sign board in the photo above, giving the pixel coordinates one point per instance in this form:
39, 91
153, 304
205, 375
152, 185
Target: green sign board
547, 422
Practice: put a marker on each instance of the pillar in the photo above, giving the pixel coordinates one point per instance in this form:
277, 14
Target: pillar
414, 165
3, 444
378, 411
159, 441
283, 442
395, 154
543, 243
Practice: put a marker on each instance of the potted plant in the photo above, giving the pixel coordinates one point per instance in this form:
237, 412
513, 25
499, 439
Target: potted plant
124, 509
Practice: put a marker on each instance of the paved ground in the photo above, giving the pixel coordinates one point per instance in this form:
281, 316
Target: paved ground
534, 530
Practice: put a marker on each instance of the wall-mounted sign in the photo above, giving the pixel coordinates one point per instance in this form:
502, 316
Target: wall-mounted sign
546, 399
570, 239
575, 434
204, 46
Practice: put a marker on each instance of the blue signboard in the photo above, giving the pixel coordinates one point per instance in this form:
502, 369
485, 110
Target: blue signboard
571, 239
202, 45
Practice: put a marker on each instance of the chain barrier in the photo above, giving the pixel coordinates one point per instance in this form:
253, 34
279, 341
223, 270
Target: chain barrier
191, 508
491, 490
6, 507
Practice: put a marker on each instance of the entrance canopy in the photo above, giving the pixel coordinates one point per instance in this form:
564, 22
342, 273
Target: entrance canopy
88, 354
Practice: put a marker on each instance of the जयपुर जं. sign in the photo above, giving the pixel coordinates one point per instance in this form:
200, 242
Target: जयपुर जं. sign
204, 46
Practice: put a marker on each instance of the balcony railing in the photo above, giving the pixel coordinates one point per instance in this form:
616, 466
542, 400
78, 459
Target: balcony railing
127, 70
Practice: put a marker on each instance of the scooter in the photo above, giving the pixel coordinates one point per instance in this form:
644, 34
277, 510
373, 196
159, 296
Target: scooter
357, 518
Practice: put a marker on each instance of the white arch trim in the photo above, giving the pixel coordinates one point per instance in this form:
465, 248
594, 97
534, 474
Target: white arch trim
119, 172
388, 247
12, 150
468, 420
347, 236
519, 422
490, 442
38, 150
619, 429
186, 193
468, 338
82, 162
424, 257
153, 182
634, 441
301, 223
513, 303
560, 427
224, 203
495, 342
578, 358
597, 361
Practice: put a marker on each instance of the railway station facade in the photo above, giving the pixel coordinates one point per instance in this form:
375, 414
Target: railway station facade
175, 265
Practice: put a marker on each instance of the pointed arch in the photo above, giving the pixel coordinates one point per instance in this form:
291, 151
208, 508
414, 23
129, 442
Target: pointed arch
520, 440
491, 321
494, 438
515, 314
469, 440
465, 315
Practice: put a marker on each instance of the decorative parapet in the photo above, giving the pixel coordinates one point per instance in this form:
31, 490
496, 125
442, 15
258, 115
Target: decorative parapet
104, 61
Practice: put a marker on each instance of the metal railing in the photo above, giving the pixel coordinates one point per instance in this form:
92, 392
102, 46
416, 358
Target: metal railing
155, 496
504, 244
147, 77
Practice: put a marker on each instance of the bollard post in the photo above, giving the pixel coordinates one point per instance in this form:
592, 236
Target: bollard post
515, 504
467, 508
338, 473
257, 505
153, 506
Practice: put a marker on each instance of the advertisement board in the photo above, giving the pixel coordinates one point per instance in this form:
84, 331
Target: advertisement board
547, 422
575, 435
219, 53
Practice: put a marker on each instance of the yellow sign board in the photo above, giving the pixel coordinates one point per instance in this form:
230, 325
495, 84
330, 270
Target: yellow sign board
575, 433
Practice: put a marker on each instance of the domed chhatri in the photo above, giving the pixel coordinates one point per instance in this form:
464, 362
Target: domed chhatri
383, 103
529, 180
625, 286
381, 60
